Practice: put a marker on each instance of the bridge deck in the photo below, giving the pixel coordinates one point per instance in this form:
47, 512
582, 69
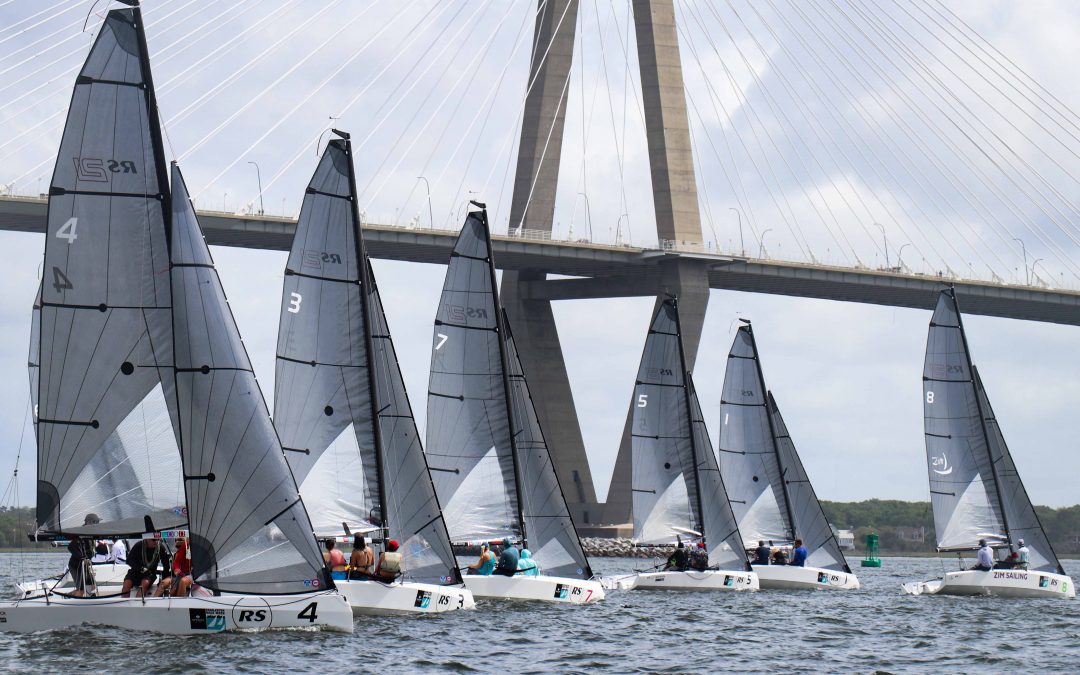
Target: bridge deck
619, 271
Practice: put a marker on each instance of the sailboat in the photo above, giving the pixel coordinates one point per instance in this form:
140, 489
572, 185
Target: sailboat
149, 419
677, 488
975, 490
341, 408
771, 495
488, 457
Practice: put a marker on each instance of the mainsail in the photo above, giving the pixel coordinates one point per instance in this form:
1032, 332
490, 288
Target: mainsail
770, 492
676, 482
250, 532
491, 464
106, 447
975, 490
337, 374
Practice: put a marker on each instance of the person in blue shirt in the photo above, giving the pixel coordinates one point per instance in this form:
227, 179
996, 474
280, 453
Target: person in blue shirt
526, 565
508, 559
799, 555
761, 554
485, 565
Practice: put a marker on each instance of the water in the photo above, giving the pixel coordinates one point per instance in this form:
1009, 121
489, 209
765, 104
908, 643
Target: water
875, 628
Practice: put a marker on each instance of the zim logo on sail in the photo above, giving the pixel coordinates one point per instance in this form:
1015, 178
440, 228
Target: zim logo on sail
940, 465
97, 170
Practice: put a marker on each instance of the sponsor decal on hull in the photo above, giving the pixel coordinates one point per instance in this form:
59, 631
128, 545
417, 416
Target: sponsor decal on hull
210, 620
1021, 576
423, 599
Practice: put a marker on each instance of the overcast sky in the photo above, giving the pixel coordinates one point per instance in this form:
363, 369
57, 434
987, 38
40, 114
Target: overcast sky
435, 90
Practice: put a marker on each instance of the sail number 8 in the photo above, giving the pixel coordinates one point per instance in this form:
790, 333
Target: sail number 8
929, 397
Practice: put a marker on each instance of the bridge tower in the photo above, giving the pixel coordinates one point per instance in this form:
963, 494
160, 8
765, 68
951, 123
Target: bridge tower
677, 219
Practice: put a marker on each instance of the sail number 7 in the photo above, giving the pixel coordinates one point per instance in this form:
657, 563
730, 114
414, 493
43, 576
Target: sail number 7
442, 340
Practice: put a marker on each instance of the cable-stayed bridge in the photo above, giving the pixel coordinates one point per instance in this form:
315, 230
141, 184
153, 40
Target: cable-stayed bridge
849, 130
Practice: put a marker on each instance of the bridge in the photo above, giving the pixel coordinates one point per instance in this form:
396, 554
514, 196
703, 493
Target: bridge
539, 268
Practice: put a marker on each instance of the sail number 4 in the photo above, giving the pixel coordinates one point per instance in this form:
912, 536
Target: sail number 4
309, 612
67, 231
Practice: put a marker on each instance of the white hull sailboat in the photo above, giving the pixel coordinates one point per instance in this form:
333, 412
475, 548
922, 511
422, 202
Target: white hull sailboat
488, 455
148, 414
539, 588
794, 578
341, 408
771, 494
676, 483
976, 492
180, 616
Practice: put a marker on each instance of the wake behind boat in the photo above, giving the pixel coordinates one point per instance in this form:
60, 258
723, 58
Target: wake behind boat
771, 494
149, 416
677, 488
488, 456
976, 492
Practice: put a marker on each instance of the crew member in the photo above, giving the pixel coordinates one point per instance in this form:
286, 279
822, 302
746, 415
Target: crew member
81, 550
800, 554
699, 558
335, 559
1024, 556
361, 560
181, 570
678, 560
143, 560
985, 561
761, 554
486, 564
508, 559
389, 566
527, 565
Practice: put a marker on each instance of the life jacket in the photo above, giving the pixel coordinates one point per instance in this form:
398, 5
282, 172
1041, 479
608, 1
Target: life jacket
391, 563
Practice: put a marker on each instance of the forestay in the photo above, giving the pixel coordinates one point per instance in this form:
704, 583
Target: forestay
468, 418
106, 445
551, 533
748, 456
324, 402
677, 488
811, 525
250, 532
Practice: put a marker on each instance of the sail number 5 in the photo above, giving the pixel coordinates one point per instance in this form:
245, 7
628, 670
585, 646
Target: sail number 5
642, 400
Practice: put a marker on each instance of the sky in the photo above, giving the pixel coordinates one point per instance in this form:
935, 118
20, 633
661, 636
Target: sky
813, 146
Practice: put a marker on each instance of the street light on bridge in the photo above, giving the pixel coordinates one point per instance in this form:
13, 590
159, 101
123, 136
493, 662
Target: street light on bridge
1023, 249
258, 175
761, 241
742, 244
900, 257
1036, 276
886, 244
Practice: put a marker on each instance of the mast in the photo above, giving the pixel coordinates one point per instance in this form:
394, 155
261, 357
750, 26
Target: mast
982, 417
365, 279
499, 321
772, 430
689, 415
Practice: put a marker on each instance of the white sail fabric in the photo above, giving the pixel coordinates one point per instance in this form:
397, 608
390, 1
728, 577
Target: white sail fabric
333, 488
468, 418
250, 532
1023, 521
550, 529
963, 493
811, 525
748, 456
105, 306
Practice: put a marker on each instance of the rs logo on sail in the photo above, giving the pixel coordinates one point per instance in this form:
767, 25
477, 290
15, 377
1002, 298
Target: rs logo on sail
940, 465
94, 169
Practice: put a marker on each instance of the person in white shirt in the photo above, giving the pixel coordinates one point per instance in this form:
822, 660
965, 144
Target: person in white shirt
118, 554
1025, 556
985, 561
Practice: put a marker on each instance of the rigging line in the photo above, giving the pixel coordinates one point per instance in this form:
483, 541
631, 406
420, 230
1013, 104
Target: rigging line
819, 133
867, 118
47, 19
837, 119
39, 54
1009, 66
912, 136
706, 202
251, 63
469, 68
778, 112
414, 33
715, 98
255, 99
982, 151
1011, 151
491, 96
620, 148
283, 118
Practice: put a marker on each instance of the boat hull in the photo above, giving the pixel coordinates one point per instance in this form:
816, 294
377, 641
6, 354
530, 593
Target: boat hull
108, 577
181, 616
376, 598
998, 583
563, 590
709, 580
792, 578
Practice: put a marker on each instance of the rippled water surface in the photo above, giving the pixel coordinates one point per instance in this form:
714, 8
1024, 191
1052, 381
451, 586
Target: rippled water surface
875, 628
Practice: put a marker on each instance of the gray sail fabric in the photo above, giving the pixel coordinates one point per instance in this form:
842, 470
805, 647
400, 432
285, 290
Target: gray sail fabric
250, 532
810, 522
721, 530
1023, 521
413, 513
665, 498
105, 446
552, 538
322, 401
32, 362
748, 457
468, 426
963, 493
